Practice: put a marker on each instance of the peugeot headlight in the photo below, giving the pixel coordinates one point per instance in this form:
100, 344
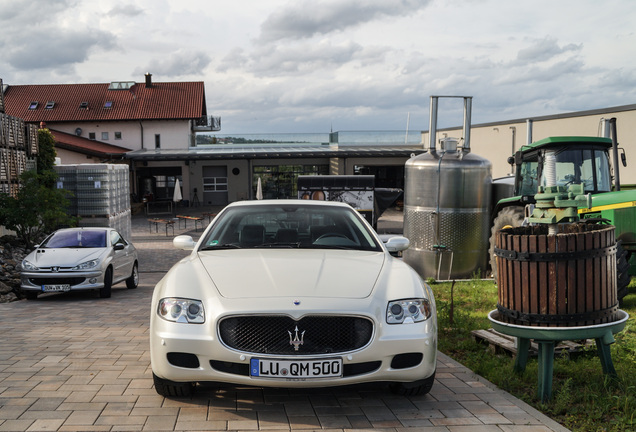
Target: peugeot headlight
408, 311
181, 310
26, 265
87, 265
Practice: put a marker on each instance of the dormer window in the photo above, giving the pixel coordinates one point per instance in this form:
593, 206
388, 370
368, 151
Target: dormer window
108, 104
121, 85
33, 105
49, 105
84, 105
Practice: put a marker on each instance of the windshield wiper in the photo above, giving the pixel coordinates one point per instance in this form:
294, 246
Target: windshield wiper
281, 245
219, 247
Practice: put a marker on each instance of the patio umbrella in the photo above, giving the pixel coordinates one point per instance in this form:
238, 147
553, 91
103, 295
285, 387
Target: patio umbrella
176, 197
259, 190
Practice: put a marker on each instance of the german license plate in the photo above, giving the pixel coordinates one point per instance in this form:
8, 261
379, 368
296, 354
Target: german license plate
296, 369
56, 288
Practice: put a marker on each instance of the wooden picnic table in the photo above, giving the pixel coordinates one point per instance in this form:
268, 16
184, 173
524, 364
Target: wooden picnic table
210, 216
168, 223
185, 219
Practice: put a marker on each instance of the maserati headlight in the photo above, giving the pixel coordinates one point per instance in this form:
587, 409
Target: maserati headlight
181, 310
87, 265
408, 311
26, 265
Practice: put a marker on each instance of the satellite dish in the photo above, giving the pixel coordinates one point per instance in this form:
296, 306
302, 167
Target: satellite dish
78, 131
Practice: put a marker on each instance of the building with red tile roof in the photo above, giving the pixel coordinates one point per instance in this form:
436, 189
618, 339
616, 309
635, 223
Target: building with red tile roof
97, 123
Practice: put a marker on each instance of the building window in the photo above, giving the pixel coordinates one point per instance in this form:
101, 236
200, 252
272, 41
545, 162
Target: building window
91, 135
117, 135
49, 105
214, 184
104, 136
108, 104
281, 181
157, 141
84, 105
33, 105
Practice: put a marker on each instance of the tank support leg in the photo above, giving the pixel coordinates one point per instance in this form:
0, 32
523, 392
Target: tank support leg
604, 353
546, 367
523, 348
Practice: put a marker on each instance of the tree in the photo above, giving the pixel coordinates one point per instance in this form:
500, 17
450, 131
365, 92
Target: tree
38, 207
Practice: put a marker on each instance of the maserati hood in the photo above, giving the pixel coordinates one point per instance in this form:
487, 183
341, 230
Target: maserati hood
254, 273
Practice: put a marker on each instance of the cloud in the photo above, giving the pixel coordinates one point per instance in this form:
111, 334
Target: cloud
545, 49
127, 11
48, 36
178, 64
304, 19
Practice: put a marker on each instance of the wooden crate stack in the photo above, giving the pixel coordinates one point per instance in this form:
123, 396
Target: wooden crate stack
18, 143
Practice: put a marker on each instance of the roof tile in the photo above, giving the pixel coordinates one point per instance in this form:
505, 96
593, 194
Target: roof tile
161, 101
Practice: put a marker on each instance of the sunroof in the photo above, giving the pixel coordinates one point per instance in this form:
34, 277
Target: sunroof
33, 105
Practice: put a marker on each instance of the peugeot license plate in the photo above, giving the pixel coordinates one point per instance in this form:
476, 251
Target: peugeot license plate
296, 369
56, 288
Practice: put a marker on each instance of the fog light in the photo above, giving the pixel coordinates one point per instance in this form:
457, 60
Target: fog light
93, 280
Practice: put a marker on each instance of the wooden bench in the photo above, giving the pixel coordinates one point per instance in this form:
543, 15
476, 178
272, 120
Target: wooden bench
168, 223
185, 219
210, 216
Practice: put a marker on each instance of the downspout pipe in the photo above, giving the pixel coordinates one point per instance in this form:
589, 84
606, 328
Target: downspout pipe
141, 126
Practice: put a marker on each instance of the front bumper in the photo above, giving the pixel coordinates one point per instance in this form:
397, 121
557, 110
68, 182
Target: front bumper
35, 281
189, 353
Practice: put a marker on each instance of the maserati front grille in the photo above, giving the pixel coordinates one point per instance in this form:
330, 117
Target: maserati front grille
311, 335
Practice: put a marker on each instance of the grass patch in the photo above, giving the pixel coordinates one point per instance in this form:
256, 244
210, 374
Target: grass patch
583, 398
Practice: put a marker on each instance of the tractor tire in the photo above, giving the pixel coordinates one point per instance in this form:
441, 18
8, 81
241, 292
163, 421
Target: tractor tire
508, 217
622, 271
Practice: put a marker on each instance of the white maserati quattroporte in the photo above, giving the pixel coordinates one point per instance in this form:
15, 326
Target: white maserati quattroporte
292, 293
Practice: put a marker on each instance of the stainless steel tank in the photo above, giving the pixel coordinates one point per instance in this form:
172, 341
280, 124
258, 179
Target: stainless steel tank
447, 206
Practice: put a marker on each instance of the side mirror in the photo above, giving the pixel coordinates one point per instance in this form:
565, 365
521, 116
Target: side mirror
119, 246
184, 242
623, 158
397, 244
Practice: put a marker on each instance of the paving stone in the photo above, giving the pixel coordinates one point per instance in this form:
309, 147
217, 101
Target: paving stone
90, 371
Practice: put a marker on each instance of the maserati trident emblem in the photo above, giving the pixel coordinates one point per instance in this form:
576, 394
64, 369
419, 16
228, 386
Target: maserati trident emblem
293, 338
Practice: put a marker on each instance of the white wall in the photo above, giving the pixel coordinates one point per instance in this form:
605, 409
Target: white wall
495, 140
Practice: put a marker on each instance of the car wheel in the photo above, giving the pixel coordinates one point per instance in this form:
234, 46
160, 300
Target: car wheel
133, 280
420, 387
108, 283
169, 388
31, 295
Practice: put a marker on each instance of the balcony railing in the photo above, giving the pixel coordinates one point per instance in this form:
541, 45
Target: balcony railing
208, 124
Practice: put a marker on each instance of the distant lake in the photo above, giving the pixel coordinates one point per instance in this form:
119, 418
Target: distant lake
341, 137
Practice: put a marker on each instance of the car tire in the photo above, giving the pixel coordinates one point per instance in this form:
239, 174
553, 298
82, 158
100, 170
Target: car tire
169, 388
507, 217
133, 281
31, 295
108, 284
420, 387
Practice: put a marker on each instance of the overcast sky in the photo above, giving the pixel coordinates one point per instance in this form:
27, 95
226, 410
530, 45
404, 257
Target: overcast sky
315, 65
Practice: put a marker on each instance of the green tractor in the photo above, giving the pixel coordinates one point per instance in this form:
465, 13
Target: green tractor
579, 160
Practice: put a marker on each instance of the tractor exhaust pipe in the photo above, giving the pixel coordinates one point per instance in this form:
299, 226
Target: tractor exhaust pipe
617, 177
